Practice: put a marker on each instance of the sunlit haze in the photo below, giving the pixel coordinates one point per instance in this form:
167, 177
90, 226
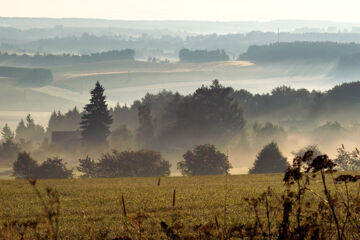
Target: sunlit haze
209, 10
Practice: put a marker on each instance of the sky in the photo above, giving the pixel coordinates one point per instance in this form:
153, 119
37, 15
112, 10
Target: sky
208, 10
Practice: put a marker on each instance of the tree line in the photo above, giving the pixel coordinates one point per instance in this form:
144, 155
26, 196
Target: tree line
52, 59
203, 159
212, 114
302, 50
324, 51
198, 56
207, 115
163, 45
348, 66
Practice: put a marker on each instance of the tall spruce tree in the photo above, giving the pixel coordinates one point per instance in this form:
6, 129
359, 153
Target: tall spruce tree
96, 119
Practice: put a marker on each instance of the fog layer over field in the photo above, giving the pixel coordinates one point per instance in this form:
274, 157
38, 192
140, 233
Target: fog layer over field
328, 130
285, 90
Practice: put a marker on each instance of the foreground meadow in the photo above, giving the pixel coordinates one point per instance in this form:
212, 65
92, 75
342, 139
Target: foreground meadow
145, 208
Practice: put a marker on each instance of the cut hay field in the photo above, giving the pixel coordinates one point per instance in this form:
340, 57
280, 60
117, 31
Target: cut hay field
94, 209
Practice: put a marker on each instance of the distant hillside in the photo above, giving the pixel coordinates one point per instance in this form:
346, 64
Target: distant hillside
27, 77
173, 25
186, 55
66, 59
348, 66
283, 51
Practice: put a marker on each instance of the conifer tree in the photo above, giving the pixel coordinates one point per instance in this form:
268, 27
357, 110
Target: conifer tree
29, 130
96, 119
7, 134
269, 160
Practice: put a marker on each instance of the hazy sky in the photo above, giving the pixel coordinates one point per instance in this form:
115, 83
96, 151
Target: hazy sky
215, 10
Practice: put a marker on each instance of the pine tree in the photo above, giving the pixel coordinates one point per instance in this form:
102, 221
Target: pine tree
96, 119
8, 148
21, 130
269, 160
7, 134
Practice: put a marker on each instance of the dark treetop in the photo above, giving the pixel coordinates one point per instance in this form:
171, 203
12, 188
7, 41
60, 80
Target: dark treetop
96, 119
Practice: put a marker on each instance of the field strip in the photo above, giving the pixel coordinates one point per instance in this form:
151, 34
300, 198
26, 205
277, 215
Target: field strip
70, 76
194, 68
64, 93
76, 97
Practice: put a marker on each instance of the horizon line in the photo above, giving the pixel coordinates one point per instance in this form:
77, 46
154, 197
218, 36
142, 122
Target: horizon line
180, 20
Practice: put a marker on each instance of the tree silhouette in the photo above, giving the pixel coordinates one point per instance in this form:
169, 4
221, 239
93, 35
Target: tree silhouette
8, 148
7, 134
96, 119
53, 168
25, 166
302, 151
146, 130
204, 160
269, 160
208, 114
142, 163
69, 121
186, 55
29, 131
88, 167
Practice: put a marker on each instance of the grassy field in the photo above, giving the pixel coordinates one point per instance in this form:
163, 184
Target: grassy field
93, 208
5, 172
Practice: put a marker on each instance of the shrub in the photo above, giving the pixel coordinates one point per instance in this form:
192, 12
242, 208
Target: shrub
204, 160
143, 163
313, 148
347, 161
88, 167
150, 163
53, 168
269, 160
26, 167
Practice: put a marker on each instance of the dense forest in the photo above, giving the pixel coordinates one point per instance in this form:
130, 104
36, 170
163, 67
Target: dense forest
216, 112
281, 104
213, 114
53, 59
348, 65
197, 56
282, 51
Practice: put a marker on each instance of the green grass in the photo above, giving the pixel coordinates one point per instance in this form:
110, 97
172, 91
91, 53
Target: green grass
90, 207
96, 203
